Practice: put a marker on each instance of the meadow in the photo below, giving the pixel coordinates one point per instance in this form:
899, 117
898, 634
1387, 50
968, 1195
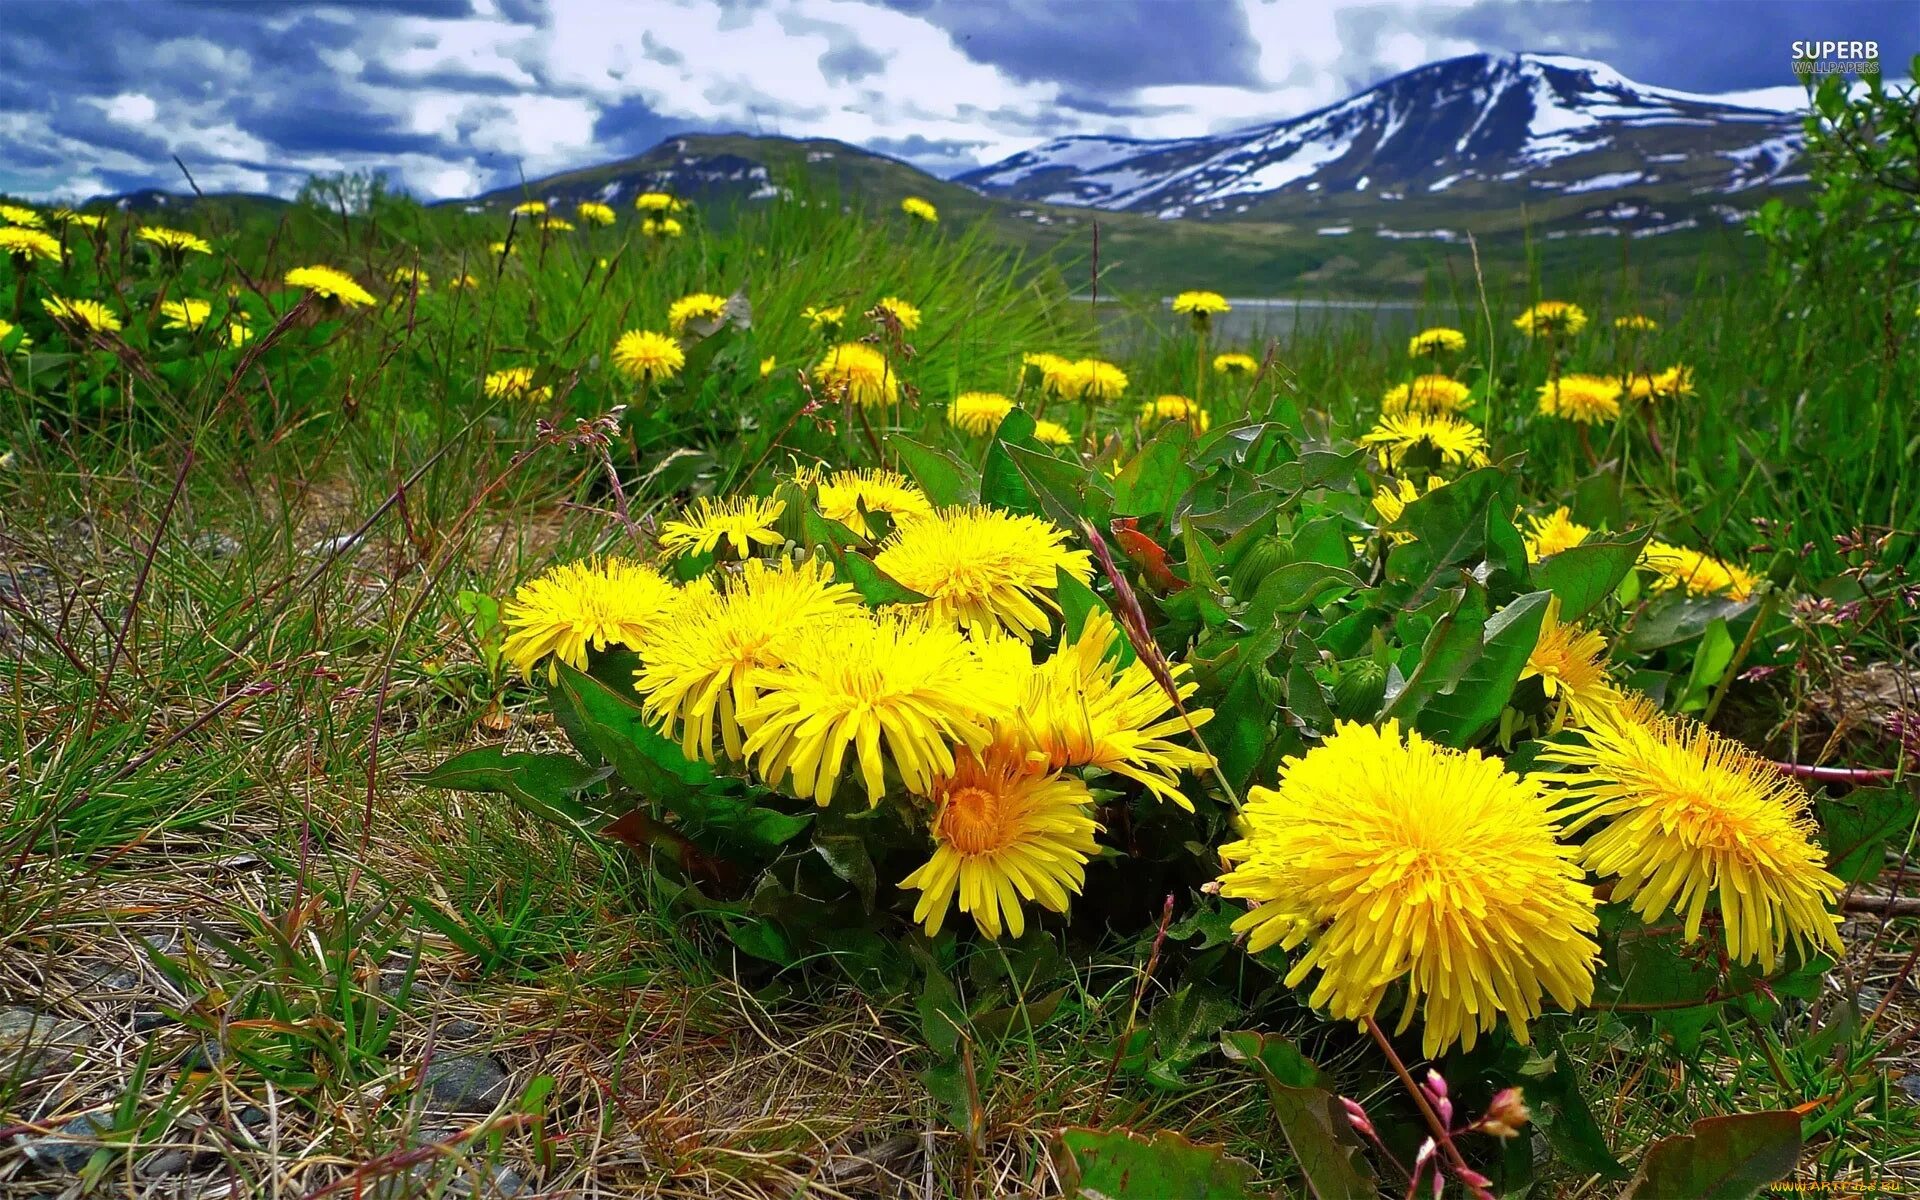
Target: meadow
651, 701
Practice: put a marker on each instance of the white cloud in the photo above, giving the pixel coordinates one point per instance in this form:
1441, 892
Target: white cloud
130, 108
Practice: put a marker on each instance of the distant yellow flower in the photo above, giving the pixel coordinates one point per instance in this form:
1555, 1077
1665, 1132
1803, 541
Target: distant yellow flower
1457, 442
905, 315
1235, 364
556, 224
846, 496
647, 356
462, 280
1570, 661
1673, 383
742, 522
1004, 831
185, 314
700, 306
1435, 341
656, 202
1201, 306
1394, 858
698, 673
1053, 374
239, 333
13, 214
85, 314
978, 413
529, 208
593, 212
1174, 408
1390, 502
329, 284
1551, 317
1551, 534
1699, 574
1052, 433
411, 277
1685, 813
1426, 393
767, 365
515, 383
1097, 380
502, 249
983, 568
860, 682
661, 227
1635, 321
582, 605
920, 210
25, 246
6, 331
1081, 708
78, 220
860, 373
827, 318
1583, 399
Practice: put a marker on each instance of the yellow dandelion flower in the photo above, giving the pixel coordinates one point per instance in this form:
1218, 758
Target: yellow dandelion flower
78, 220
1397, 858
700, 306
661, 227
1454, 440
1235, 364
238, 333
827, 317
1052, 433
515, 383
329, 284
1049, 371
1426, 393
743, 522
26, 246
1081, 708
411, 277
1635, 321
847, 496
655, 202
1699, 574
1570, 661
580, 606
903, 314
1673, 383
920, 210
462, 280
1550, 317
1390, 502
6, 331
1097, 380
647, 356
1584, 399
556, 224
13, 214
174, 242
1174, 408
978, 413
860, 373
502, 249
1685, 813
85, 314
700, 661
593, 212
529, 208
1004, 831
1201, 306
983, 568
1553, 533
868, 680
184, 314
1435, 341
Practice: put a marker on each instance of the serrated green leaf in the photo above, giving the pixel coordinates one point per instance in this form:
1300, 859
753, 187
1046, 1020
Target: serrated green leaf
1324, 1144
1723, 1158
1119, 1164
1584, 576
547, 785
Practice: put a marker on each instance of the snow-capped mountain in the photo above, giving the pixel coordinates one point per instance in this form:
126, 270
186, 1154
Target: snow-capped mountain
1487, 127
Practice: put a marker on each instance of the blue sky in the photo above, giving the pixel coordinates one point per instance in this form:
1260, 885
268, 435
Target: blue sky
454, 96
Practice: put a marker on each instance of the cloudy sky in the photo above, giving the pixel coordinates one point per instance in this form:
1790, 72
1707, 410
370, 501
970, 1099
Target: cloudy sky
454, 96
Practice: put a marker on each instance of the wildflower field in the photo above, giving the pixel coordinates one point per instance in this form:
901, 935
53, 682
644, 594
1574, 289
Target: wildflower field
626, 699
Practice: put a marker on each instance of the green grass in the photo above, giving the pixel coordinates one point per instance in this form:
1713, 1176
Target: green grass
215, 701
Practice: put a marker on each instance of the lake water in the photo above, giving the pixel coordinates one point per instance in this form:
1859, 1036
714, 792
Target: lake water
1256, 321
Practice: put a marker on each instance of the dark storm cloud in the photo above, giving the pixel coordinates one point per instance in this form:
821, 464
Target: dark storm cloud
1102, 45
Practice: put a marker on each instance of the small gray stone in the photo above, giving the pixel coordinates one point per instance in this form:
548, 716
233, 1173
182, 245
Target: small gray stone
465, 1082
34, 1043
147, 1022
67, 1148
1910, 1084
253, 1116
166, 1162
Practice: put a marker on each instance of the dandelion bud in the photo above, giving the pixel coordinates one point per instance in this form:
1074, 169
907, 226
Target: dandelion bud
1358, 1116
1436, 1089
1506, 1115
1473, 1179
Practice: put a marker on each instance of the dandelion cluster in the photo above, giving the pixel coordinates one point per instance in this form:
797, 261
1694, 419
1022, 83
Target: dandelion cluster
1437, 340
860, 374
1201, 306
648, 357
335, 286
984, 569
700, 306
1583, 399
1551, 318
978, 413
1161, 409
173, 243
1235, 364
593, 212
1695, 573
27, 246
920, 210
1455, 441
1427, 394
893, 308
82, 314
515, 383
